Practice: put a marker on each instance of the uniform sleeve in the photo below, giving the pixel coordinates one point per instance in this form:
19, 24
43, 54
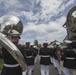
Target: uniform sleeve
23, 52
1, 54
33, 52
51, 52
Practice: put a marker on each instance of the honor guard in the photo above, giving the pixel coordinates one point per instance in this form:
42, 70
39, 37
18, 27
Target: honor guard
29, 55
45, 62
56, 59
69, 58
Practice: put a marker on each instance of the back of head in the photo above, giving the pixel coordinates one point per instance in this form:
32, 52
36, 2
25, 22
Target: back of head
35, 47
27, 44
68, 43
45, 43
57, 43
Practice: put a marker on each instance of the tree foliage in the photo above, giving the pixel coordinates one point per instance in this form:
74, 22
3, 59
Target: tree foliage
36, 43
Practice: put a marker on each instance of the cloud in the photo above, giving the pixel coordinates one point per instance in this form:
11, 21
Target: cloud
42, 20
50, 31
49, 8
69, 2
7, 4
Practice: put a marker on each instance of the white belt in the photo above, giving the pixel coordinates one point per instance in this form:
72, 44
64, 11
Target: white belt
69, 58
45, 55
15, 65
28, 56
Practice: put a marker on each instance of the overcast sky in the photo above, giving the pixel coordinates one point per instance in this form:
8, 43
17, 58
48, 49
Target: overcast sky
42, 19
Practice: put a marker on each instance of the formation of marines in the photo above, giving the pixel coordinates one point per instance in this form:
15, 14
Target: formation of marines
50, 55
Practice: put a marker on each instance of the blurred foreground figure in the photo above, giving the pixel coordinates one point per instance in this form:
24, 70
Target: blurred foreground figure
69, 53
11, 28
11, 66
69, 58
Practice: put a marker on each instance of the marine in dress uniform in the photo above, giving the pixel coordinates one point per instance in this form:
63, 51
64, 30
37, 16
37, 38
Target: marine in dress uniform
11, 66
45, 62
56, 59
69, 58
29, 55
36, 53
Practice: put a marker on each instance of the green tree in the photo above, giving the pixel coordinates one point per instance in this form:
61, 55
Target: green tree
39, 46
36, 43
